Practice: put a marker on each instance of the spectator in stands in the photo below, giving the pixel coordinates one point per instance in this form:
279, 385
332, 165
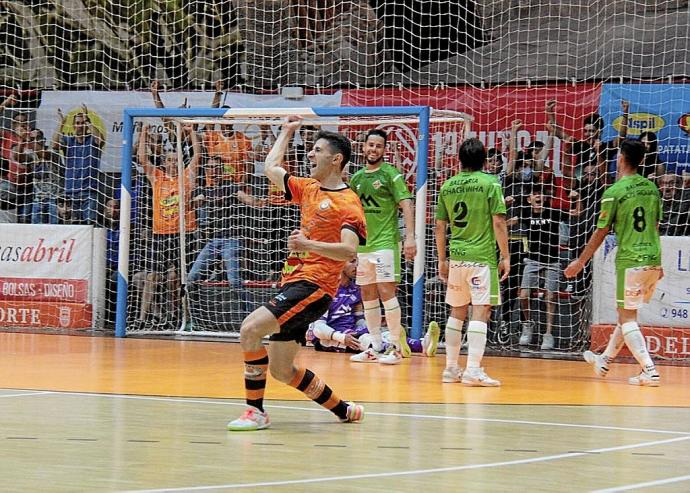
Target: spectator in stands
541, 225
652, 166
520, 172
166, 218
82, 158
494, 164
226, 216
591, 150
675, 202
9, 169
19, 174
261, 148
235, 150
47, 169
20, 127
587, 196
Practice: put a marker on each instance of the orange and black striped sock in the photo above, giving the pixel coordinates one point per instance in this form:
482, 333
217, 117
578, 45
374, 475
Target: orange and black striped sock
317, 390
255, 368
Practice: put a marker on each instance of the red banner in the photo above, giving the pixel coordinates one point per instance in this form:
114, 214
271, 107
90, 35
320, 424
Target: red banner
45, 314
494, 109
32, 289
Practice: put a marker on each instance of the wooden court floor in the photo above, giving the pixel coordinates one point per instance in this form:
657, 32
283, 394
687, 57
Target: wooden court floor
102, 414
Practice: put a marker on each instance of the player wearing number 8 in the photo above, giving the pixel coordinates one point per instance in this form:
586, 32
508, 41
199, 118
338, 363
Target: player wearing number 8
632, 207
472, 202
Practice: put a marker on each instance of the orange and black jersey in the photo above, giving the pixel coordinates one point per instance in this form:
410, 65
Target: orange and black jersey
324, 214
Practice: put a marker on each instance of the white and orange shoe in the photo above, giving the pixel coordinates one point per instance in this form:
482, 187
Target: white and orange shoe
355, 413
251, 420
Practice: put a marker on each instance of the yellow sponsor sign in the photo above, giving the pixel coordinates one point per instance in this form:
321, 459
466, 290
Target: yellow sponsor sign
640, 122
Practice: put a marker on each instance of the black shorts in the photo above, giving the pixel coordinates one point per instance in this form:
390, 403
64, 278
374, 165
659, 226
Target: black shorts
296, 306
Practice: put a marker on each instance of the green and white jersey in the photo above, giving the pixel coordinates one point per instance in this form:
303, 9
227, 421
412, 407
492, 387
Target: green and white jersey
632, 207
468, 201
380, 192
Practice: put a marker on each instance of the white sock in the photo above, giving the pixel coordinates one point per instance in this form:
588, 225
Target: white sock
476, 342
372, 315
614, 346
636, 343
393, 315
453, 340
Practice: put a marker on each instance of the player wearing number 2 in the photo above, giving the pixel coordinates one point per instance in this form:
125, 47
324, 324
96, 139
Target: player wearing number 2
632, 207
472, 202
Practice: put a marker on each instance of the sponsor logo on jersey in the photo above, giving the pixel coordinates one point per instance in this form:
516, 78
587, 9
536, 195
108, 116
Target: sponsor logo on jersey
368, 201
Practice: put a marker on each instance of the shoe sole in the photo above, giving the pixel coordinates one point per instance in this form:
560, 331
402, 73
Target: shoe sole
476, 383
244, 428
396, 362
447, 380
434, 335
364, 360
651, 383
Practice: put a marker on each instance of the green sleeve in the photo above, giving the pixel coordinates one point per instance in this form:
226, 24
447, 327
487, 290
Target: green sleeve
608, 210
441, 211
398, 186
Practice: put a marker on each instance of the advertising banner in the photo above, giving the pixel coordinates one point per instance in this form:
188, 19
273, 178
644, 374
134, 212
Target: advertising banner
493, 110
663, 109
105, 111
670, 304
51, 275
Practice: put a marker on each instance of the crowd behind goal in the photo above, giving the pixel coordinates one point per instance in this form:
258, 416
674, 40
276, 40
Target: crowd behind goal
234, 212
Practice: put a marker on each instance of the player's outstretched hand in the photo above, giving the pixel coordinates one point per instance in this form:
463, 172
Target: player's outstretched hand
504, 268
443, 268
573, 269
410, 248
297, 242
352, 342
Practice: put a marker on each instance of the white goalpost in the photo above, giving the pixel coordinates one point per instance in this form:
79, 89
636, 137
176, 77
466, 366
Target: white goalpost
228, 261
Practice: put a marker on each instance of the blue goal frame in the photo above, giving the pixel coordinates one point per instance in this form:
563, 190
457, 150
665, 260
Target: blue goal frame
423, 114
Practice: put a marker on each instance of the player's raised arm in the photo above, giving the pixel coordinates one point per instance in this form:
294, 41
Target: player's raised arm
275, 158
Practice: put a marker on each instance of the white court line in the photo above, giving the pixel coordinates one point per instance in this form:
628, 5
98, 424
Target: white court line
398, 415
415, 472
26, 393
637, 486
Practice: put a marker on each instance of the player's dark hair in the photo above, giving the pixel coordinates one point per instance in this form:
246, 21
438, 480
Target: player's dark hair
633, 151
472, 155
378, 133
338, 143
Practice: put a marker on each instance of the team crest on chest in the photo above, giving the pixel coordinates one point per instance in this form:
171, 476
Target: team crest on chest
325, 204
376, 184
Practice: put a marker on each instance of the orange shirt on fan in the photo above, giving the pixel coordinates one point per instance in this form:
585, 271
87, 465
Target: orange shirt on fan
324, 214
166, 203
234, 151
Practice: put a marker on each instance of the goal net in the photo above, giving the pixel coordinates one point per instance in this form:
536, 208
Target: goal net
226, 245
614, 68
